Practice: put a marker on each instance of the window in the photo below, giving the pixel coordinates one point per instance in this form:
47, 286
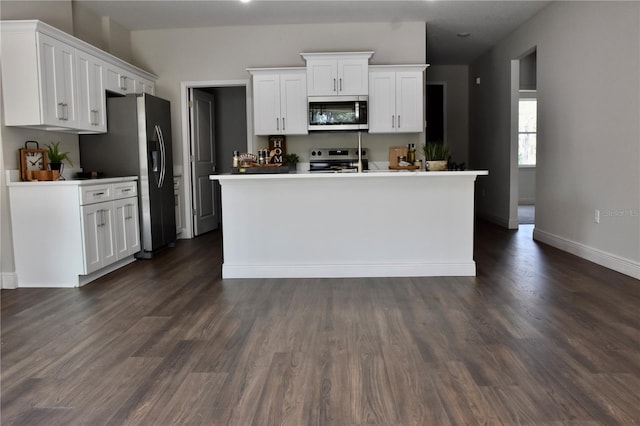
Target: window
527, 125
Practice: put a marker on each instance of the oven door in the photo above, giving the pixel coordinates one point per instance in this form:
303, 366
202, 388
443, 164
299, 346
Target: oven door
338, 113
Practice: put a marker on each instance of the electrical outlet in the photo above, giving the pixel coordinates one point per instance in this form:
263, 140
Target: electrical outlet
596, 216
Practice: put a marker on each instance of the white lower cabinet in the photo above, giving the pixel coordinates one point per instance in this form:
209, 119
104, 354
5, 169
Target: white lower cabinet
110, 223
127, 227
68, 233
99, 236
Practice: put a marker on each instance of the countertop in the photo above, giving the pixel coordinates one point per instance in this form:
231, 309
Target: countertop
76, 182
364, 175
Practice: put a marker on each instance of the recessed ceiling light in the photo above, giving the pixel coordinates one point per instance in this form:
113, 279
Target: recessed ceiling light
245, 1
464, 34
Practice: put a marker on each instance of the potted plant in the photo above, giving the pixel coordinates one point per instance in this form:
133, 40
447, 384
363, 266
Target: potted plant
291, 160
435, 156
56, 157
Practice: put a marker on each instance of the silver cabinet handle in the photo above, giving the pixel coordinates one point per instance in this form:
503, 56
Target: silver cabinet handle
283, 128
341, 85
95, 194
63, 111
277, 123
398, 121
393, 121
334, 84
94, 117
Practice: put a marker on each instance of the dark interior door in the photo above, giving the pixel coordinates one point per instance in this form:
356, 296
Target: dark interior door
435, 113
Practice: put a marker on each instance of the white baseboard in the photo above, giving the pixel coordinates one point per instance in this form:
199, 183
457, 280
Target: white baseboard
500, 221
602, 258
9, 280
350, 271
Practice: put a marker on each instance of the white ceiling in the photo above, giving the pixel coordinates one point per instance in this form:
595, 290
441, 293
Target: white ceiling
487, 21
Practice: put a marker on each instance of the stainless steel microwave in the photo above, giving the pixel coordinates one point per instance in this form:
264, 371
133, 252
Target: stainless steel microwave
338, 113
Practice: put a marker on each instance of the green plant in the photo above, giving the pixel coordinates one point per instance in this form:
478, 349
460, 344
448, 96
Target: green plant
55, 156
291, 158
435, 151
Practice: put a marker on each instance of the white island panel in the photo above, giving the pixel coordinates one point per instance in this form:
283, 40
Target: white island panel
348, 225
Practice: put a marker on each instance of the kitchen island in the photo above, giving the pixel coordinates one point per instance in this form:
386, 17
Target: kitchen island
371, 224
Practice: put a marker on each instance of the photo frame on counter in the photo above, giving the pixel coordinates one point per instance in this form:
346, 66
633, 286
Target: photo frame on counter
278, 145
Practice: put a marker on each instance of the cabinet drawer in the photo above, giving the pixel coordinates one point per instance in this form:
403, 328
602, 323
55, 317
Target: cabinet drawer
95, 193
125, 189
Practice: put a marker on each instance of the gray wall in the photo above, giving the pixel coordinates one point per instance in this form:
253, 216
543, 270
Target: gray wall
456, 79
230, 124
528, 72
588, 81
224, 53
527, 185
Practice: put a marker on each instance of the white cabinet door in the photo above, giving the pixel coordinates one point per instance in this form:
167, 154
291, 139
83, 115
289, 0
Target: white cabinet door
322, 77
409, 102
57, 66
92, 115
382, 102
353, 77
396, 102
127, 230
143, 86
119, 81
99, 236
266, 104
280, 102
91, 227
329, 75
293, 103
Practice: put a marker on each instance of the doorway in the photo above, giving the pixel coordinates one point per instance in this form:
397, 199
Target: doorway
435, 112
216, 121
524, 119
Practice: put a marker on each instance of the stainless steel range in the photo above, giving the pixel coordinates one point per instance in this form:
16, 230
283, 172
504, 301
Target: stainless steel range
336, 160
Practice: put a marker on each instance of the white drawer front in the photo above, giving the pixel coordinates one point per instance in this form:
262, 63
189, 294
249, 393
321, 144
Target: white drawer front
95, 193
125, 189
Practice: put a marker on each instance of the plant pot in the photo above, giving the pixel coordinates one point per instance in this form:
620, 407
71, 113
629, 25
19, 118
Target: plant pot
57, 168
436, 166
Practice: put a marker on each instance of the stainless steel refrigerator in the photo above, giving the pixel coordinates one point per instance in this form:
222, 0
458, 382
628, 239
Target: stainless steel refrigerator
138, 143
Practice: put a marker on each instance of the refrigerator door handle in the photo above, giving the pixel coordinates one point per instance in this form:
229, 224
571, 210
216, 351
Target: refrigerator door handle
162, 155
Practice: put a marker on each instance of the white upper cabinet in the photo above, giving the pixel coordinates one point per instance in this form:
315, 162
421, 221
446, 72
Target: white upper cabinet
123, 82
53, 81
396, 99
119, 81
92, 115
58, 78
337, 74
279, 101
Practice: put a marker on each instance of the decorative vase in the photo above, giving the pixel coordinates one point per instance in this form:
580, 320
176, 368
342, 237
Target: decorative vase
436, 166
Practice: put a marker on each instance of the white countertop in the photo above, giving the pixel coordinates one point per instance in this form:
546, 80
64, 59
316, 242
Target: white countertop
365, 174
77, 182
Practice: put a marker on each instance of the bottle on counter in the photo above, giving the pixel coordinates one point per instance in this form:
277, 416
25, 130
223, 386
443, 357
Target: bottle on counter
236, 159
411, 153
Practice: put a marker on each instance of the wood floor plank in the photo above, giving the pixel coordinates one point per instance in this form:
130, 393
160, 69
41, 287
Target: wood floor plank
538, 337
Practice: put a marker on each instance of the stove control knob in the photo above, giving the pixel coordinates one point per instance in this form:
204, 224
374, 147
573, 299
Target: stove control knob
313, 153
319, 152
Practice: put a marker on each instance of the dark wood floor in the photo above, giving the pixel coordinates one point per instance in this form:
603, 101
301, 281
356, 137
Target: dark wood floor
539, 337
